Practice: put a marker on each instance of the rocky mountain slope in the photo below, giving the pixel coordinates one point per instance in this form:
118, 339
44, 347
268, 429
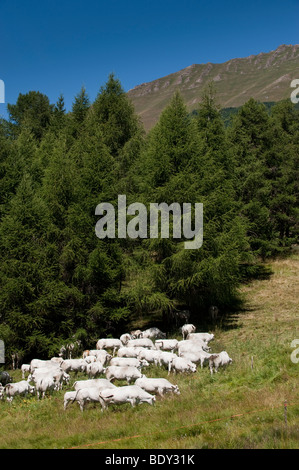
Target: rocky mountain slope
265, 77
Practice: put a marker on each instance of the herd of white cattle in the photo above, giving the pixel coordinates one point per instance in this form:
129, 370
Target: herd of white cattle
123, 359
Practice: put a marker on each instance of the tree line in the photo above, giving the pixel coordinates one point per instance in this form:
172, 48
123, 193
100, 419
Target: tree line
59, 282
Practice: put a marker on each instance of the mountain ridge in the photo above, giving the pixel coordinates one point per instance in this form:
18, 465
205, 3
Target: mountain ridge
266, 77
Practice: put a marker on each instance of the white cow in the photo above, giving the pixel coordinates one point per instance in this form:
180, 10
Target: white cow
129, 352
141, 343
159, 386
180, 364
187, 329
87, 395
45, 384
129, 361
18, 388
58, 375
166, 344
69, 397
109, 343
132, 394
94, 369
206, 337
219, 360
127, 373
192, 346
98, 383
166, 359
36, 363
73, 365
152, 356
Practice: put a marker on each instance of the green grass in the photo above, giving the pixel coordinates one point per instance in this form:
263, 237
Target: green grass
240, 407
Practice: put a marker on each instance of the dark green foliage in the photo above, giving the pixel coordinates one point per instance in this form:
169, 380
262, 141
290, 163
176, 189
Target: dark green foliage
59, 282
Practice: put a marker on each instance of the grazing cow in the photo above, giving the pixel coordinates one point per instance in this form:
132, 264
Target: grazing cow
219, 360
128, 394
87, 395
158, 386
127, 373
152, 356
59, 376
166, 359
18, 388
153, 333
98, 383
166, 344
180, 364
95, 369
129, 361
73, 365
109, 343
189, 345
187, 329
45, 384
129, 352
69, 397
206, 337
141, 343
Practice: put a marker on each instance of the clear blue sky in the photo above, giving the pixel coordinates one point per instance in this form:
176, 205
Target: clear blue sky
57, 46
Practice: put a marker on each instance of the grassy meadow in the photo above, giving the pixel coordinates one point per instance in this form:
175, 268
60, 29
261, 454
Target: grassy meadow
241, 407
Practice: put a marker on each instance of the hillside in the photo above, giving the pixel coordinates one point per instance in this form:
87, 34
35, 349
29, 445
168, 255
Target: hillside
240, 407
265, 77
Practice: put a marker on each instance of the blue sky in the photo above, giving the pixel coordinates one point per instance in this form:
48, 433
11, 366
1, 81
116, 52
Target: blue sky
59, 46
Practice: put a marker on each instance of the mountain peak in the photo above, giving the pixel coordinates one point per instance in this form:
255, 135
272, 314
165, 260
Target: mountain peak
265, 76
